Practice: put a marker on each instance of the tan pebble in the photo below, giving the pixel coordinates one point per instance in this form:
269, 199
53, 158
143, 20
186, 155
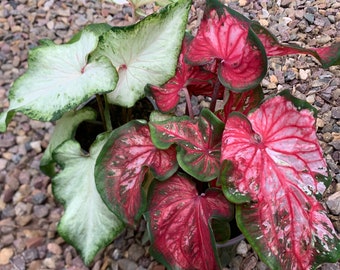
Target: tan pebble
49, 263
273, 79
320, 123
242, 3
35, 265
54, 248
5, 255
264, 22
304, 74
310, 99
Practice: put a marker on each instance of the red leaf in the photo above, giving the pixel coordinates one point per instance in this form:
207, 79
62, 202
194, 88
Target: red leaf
327, 56
179, 224
122, 164
227, 38
241, 102
198, 143
194, 78
278, 166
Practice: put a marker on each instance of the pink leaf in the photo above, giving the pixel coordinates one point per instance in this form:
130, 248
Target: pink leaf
225, 37
241, 102
122, 165
327, 56
194, 78
198, 141
278, 166
179, 224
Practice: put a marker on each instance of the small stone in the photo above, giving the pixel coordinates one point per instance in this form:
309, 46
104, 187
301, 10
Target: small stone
34, 242
126, 264
30, 255
5, 255
49, 263
320, 123
333, 203
310, 99
327, 136
242, 248
286, 3
16, 61
6, 140
135, 252
264, 22
330, 266
23, 220
35, 265
336, 112
19, 262
50, 25
3, 164
40, 211
36, 146
64, 12
7, 239
249, 263
117, 254
309, 17
323, 39
304, 74
243, 3
261, 266
54, 248
8, 195
39, 198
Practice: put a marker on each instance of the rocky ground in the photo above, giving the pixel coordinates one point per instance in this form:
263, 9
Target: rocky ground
28, 211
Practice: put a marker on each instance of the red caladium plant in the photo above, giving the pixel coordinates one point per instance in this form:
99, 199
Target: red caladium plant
254, 158
274, 166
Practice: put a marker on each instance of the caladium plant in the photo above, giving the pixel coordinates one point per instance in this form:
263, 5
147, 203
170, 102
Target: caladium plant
255, 159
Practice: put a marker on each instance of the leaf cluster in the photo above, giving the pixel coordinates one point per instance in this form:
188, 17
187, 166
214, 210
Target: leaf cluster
254, 159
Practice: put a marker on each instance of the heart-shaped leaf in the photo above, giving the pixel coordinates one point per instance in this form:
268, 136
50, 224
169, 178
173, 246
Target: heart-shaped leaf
87, 223
227, 38
146, 52
122, 165
276, 164
179, 224
327, 56
58, 79
241, 102
198, 143
197, 81
64, 130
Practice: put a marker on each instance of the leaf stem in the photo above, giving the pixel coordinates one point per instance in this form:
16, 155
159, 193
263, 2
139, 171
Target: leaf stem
188, 101
101, 110
107, 116
214, 95
231, 242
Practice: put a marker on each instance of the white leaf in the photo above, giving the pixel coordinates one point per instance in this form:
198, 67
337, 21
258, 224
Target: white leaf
59, 78
146, 52
87, 223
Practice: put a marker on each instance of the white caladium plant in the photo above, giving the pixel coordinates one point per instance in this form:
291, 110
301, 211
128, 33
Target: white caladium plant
255, 160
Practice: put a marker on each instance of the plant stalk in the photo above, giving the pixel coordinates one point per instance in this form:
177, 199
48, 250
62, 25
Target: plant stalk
214, 95
107, 116
231, 242
101, 110
188, 101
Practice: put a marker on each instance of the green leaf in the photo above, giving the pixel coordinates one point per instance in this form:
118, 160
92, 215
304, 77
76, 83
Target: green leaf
146, 52
58, 79
64, 130
198, 142
87, 223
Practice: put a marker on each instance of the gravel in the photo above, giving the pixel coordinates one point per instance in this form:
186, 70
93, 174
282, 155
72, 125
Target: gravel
28, 211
